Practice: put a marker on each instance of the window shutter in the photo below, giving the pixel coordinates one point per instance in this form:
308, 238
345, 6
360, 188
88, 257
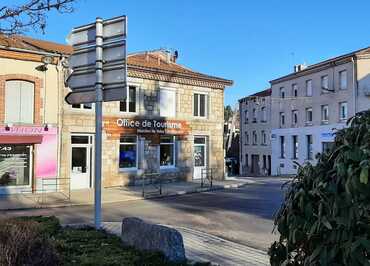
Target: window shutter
12, 101
167, 103
27, 102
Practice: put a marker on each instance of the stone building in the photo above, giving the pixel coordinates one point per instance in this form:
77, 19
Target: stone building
310, 104
255, 131
171, 123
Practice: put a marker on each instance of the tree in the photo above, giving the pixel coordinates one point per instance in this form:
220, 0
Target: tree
228, 113
32, 14
324, 219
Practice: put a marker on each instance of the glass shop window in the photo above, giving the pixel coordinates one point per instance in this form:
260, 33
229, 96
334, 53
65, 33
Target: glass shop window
167, 151
128, 152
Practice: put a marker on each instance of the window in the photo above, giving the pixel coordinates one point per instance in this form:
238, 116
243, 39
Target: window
246, 160
200, 105
295, 90
327, 146
255, 138
295, 147
309, 87
246, 138
167, 103
294, 117
282, 92
16, 165
282, 147
264, 137
309, 115
343, 112
129, 105
309, 147
343, 80
282, 119
324, 84
128, 152
246, 119
324, 113
167, 151
264, 114
254, 115
19, 101
84, 106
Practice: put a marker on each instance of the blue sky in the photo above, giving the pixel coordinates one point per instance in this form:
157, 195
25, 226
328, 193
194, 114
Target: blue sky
250, 42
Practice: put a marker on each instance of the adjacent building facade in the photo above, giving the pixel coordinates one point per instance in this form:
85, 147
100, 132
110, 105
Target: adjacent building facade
255, 131
309, 105
31, 82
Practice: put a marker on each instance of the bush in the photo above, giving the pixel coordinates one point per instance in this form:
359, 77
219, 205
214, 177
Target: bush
23, 243
325, 218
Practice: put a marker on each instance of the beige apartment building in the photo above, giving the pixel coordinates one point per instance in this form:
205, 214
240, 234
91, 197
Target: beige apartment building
31, 83
171, 123
255, 131
310, 104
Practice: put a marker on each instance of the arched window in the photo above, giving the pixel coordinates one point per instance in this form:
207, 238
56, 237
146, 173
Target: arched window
19, 101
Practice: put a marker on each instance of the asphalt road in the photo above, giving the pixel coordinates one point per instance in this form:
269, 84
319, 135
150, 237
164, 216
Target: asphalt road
243, 215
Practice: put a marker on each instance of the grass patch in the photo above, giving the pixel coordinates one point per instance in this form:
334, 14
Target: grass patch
88, 246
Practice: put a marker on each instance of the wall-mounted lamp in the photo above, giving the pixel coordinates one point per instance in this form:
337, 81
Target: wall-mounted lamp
8, 126
46, 60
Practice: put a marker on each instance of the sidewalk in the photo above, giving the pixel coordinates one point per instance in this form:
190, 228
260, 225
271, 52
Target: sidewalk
204, 247
109, 195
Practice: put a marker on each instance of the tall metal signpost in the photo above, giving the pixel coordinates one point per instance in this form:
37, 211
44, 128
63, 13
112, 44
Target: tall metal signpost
98, 68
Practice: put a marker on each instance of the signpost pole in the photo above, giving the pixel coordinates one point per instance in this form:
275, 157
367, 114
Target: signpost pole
98, 120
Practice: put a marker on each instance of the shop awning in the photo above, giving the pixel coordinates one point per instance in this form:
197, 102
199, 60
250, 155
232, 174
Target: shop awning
20, 139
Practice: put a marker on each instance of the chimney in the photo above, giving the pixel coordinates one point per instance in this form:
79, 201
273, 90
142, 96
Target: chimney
299, 67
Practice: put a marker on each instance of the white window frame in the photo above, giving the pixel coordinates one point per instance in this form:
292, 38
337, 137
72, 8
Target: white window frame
264, 114
309, 91
254, 138
137, 153
282, 92
309, 147
324, 87
343, 74
294, 90
264, 137
82, 108
246, 142
309, 109
198, 116
254, 111
246, 119
325, 112
172, 90
342, 118
173, 143
295, 112
281, 120
295, 147
128, 100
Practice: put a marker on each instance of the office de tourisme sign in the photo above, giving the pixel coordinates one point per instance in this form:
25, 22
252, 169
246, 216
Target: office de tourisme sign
114, 126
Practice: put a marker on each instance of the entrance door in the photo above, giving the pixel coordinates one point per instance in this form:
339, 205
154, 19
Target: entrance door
255, 164
81, 161
200, 156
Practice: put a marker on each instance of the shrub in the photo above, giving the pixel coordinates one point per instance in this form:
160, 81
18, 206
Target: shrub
325, 217
23, 243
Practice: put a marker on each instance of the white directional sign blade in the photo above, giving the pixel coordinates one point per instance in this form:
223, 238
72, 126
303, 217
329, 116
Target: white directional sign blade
85, 35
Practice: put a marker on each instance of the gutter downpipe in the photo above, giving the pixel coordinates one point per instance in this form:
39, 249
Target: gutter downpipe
355, 83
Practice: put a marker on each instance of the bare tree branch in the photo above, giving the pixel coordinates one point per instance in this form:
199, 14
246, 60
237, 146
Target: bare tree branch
31, 15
